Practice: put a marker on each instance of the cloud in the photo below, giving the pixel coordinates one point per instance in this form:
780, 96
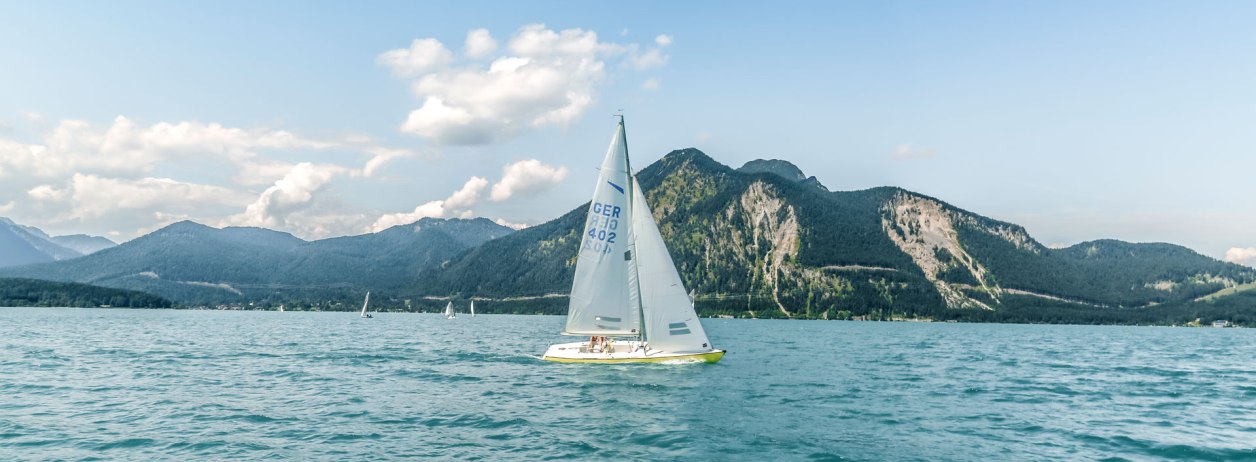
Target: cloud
543, 78
92, 196
294, 192
652, 58
650, 84
381, 156
480, 44
127, 148
424, 55
526, 177
907, 152
458, 204
514, 226
133, 176
1241, 255
663, 40
8, 206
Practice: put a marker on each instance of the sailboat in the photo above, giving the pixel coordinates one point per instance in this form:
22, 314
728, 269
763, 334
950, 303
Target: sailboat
364, 304
473, 308
626, 294
449, 311
281, 308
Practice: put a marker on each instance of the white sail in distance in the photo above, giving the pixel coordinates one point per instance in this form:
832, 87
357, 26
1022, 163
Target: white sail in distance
365, 303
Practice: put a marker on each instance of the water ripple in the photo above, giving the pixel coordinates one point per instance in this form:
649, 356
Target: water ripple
160, 384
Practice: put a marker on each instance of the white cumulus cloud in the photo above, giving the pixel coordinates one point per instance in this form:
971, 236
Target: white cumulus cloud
1241, 255
134, 176
480, 44
458, 204
514, 226
92, 196
543, 78
424, 55
650, 84
127, 148
526, 177
294, 192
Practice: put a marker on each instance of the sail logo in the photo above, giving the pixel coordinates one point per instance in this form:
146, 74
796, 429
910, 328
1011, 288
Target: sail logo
617, 187
603, 221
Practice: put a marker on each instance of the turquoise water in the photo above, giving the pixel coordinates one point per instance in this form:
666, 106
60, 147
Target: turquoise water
180, 385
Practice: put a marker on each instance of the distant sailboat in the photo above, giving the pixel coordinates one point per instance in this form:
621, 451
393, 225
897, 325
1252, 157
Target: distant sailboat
449, 311
364, 304
281, 308
626, 285
473, 308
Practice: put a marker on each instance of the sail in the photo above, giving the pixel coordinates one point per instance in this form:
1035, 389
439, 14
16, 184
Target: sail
473, 308
602, 302
449, 309
671, 324
366, 302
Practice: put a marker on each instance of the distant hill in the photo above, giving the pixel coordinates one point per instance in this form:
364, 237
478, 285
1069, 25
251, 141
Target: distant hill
21, 245
29, 292
83, 243
197, 264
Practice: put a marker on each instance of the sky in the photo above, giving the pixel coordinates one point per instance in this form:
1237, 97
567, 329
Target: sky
1129, 120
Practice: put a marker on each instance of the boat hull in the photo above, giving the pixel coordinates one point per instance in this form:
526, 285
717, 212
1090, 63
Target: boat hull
624, 352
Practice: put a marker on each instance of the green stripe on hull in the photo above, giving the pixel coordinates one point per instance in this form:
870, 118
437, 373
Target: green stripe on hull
711, 357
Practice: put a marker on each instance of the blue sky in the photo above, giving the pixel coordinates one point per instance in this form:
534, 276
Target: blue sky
1078, 120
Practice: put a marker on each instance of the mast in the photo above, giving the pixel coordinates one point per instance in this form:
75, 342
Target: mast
632, 245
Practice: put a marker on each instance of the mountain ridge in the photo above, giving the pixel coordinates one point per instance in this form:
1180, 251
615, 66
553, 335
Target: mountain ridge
754, 241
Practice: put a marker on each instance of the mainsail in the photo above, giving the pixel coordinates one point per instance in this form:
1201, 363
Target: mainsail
365, 303
602, 302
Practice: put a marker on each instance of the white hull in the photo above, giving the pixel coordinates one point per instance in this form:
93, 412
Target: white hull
624, 351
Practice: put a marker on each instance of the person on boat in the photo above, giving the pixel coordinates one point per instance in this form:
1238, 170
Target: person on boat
592, 343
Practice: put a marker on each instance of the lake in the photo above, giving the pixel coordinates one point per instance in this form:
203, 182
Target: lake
181, 385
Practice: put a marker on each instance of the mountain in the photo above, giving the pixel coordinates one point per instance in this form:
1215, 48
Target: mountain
197, 264
20, 245
83, 243
762, 241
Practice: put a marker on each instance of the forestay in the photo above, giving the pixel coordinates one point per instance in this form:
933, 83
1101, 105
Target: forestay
603, 293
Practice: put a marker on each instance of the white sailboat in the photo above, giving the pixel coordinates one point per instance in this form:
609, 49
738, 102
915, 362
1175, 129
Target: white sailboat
626, 287
473, 308
281, 308
364, 304
449, 311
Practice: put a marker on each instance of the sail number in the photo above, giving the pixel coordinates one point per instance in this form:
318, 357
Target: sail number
603, 220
